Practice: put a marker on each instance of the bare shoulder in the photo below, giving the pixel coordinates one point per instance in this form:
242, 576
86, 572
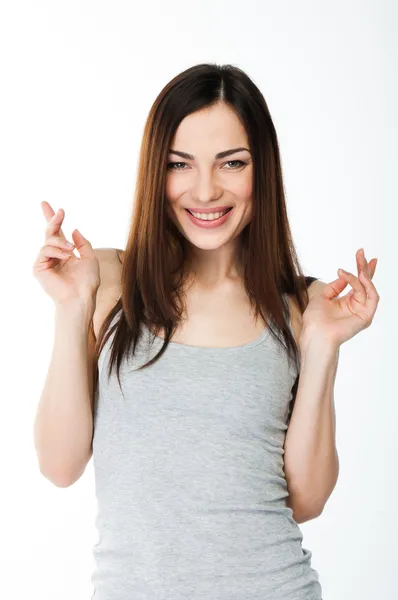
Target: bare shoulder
315, 287
110, 264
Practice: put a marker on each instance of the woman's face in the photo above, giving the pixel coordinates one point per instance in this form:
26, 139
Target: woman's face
204, 183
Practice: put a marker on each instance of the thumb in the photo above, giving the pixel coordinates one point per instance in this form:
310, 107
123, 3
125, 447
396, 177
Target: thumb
82, 244
335, 288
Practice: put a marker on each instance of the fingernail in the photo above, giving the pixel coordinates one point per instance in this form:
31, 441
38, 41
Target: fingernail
69, 245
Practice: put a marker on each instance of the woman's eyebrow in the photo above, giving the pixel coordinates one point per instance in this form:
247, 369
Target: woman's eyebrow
219, 155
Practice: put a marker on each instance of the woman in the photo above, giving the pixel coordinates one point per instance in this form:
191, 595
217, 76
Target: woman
203, 470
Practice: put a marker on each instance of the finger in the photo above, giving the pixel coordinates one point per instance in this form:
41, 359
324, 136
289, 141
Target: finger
82, 244
335, 288
356, 284
362, 263
58, 242
372, 295
48, 211
54, 220
372, 266
48, 251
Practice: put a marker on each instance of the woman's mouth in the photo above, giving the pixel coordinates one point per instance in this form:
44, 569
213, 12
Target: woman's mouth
209, 220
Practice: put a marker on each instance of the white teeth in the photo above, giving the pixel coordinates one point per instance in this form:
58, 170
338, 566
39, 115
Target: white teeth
208, 216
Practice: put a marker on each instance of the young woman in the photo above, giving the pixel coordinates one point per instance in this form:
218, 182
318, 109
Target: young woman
176, 362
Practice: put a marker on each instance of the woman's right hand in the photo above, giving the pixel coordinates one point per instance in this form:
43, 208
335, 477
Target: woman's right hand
62, 274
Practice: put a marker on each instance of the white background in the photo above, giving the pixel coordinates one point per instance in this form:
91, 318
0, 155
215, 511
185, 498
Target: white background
77, 82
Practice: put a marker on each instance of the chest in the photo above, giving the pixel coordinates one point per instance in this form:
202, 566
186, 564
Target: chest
221, 318
218, 318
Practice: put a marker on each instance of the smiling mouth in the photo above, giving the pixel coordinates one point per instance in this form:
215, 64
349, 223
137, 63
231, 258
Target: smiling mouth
206, 217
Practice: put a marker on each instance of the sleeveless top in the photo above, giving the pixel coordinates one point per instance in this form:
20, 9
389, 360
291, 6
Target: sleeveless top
189, 476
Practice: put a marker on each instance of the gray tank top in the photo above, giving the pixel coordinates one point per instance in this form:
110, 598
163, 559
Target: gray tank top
189, 477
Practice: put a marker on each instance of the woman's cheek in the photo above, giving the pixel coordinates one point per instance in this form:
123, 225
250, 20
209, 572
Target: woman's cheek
244, 188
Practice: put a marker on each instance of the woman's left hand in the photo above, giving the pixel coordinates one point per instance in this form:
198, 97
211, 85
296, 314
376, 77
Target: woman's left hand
339, 319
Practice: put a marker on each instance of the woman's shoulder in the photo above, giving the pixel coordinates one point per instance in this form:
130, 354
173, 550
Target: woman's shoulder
309, 280
314, 285
110, 266
110, 263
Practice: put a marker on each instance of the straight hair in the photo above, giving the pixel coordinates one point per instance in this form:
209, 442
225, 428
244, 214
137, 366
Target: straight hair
153, 266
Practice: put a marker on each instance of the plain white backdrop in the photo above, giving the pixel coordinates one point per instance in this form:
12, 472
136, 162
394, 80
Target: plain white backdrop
77, 81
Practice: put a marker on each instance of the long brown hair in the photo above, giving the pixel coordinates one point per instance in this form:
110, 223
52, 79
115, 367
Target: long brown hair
153, 274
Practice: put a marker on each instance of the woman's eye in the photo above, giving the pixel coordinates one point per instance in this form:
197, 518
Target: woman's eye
171, 165
236, 161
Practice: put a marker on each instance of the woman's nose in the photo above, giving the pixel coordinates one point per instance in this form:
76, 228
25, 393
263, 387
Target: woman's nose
206, 188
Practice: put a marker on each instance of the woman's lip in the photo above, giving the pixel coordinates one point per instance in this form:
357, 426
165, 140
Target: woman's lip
209, 224
209, 210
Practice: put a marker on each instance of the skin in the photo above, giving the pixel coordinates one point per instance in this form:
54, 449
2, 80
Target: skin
206, 182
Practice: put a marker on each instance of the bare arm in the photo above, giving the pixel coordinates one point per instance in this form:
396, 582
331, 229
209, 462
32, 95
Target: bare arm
311, 458
63, 425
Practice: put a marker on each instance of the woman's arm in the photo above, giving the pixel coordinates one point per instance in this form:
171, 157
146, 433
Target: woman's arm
311, 459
